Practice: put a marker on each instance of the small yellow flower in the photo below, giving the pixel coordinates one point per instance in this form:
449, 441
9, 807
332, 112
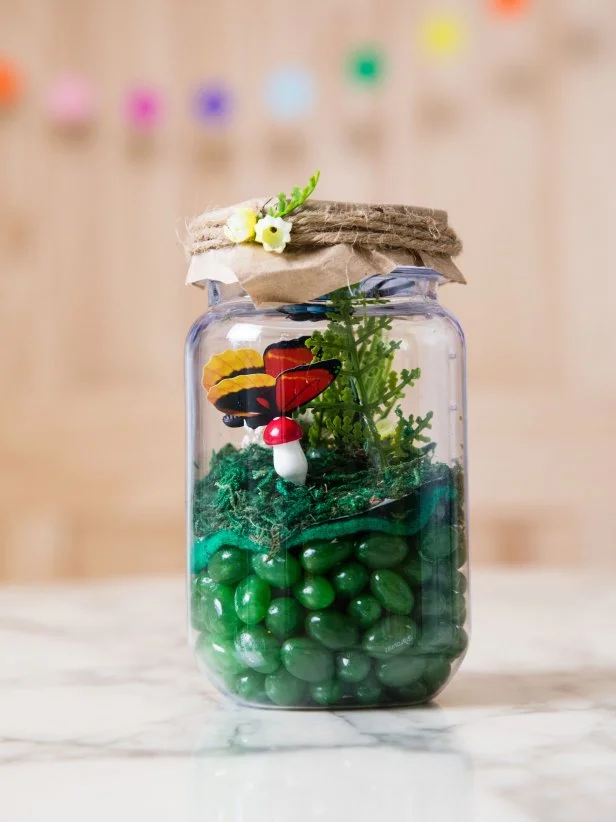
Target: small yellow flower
273, 232
240, 227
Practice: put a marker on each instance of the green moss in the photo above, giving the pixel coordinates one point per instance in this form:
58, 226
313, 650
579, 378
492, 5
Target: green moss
243, 502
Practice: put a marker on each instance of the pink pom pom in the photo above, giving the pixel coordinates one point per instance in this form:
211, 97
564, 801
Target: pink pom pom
70, 101
144, 108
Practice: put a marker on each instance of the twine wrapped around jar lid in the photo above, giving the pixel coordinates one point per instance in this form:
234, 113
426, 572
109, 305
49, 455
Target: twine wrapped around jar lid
332, 244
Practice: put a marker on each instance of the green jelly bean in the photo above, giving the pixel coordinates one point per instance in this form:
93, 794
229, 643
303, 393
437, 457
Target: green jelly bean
416, 571
391, 635
369, 691
252, 599
365, 610
352, 665
434, 603
314, 593
284, 689
256, 648
442, 637
400, 670
439, 598
214, 612
225, 681
392, 592
381, 551
326, 693
461, 554
198, 609
284, 617
444, 511
436, 674
201, 584
307, 659
459, 611
319, 556
281, 570
334, 630
461, 643
412, 694
350, 580
460, 583
229, 565
444, 574
218, 654
436, 544
250, 686
455, 608
436, 636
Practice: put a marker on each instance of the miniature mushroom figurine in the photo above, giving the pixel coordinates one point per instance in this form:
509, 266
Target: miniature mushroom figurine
284, 435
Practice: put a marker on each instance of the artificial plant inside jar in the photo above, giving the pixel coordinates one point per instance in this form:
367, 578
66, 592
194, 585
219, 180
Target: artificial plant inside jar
327, 536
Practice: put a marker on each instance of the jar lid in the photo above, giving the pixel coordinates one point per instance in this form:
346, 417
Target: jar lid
318, 247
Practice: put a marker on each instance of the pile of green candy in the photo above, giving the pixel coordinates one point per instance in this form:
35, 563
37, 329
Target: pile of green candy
375, 620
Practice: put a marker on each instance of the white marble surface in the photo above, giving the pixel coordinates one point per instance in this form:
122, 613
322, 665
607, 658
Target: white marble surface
104, 717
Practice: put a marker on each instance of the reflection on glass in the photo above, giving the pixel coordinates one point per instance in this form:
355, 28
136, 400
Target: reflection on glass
364, 765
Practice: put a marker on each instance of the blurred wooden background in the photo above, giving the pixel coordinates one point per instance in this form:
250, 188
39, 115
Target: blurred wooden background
514, 135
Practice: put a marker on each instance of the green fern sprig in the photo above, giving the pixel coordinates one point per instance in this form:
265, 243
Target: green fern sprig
367, 388
288, 203
410, 440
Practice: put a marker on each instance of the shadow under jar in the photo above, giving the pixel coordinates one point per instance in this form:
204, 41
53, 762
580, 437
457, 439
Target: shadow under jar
327, 535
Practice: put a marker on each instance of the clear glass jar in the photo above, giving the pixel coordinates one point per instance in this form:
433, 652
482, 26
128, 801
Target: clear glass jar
327, 537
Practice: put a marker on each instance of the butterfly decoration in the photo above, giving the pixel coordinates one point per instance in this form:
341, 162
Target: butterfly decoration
255, 388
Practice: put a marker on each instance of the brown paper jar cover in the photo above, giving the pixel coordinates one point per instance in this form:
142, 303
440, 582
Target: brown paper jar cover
333, 244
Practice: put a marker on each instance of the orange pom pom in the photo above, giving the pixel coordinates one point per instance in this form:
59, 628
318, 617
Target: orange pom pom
509, 6
10, 84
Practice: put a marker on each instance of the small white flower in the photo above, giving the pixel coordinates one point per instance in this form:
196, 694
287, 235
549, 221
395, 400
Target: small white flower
240, 227
273, 232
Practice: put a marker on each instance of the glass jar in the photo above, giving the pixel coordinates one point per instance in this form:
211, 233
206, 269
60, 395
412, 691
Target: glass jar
327, 537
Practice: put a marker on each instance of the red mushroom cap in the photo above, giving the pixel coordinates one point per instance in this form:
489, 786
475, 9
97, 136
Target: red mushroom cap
281, 430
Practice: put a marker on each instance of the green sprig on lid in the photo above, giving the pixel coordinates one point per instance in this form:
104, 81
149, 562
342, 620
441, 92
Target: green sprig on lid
268, 227
287, 204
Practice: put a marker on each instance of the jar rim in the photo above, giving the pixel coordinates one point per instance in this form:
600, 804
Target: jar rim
394, 283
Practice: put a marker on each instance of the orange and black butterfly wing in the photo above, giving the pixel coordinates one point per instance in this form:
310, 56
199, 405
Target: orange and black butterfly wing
285, 355
300, 385
245, 395
231, 363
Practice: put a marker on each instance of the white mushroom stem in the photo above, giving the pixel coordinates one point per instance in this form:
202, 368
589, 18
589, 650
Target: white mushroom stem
290, 462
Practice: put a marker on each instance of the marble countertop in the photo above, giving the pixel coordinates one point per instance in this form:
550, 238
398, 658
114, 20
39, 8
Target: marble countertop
104, 717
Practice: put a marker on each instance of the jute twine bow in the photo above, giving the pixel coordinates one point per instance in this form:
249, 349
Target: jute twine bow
321, 223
